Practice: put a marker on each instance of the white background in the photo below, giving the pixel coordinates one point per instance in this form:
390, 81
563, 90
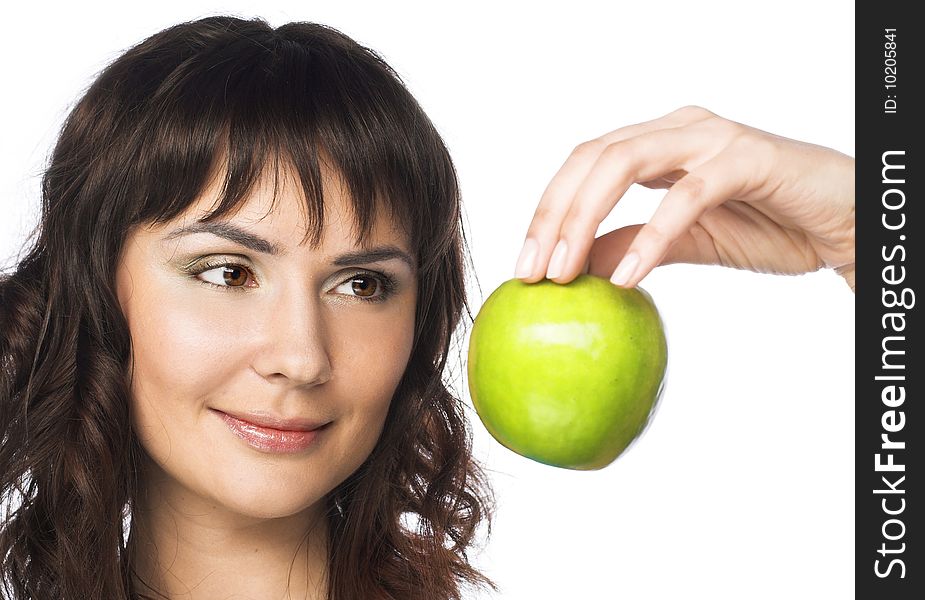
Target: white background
743, 485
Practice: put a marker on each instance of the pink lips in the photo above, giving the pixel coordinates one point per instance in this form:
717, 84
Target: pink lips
269, 434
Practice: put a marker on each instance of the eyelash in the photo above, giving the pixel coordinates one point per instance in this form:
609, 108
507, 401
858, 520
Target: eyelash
386, 283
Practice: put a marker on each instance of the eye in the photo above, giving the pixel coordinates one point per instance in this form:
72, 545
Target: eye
368, 287
226, 275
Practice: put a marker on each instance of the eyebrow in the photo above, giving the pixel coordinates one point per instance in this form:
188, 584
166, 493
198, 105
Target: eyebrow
258, 244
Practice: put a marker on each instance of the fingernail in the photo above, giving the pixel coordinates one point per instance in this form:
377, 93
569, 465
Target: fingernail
557, 262
625, 269
527, 258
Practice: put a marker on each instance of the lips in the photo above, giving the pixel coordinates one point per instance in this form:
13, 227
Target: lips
272, 422
270, 434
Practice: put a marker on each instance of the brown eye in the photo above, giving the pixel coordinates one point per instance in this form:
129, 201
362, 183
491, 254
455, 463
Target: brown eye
234, 276
225, 276
364, 287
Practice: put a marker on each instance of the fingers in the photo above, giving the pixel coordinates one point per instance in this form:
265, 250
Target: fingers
694, 246
687, 115
589, 185
543, 232
709, 185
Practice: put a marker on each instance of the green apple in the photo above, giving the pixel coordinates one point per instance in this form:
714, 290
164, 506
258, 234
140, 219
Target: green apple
567, 375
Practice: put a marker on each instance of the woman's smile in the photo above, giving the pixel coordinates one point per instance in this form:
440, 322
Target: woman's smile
283, 437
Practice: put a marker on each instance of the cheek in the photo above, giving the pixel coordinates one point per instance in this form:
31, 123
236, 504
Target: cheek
175, 345
373, 358
181, 354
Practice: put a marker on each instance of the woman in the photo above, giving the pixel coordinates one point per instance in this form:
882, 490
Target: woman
293, 436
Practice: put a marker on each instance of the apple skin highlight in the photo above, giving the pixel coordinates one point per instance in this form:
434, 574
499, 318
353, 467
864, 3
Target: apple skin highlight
567, 375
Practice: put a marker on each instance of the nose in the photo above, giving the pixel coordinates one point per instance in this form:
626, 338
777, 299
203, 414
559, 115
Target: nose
295, 349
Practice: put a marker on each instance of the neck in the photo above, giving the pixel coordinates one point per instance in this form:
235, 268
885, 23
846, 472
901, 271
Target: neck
188, 548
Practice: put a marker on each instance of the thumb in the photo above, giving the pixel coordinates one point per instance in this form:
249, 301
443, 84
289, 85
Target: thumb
607, 250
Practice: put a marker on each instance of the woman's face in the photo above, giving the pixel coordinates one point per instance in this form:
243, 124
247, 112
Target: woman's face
282, 331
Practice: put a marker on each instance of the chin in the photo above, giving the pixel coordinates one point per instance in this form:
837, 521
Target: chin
268, 502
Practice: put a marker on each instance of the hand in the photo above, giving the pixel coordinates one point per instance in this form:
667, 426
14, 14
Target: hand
737, 197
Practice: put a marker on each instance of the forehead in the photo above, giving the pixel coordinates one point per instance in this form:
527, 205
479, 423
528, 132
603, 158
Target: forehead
278, 209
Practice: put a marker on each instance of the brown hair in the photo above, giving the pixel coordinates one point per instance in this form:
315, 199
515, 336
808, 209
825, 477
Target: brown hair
139, 148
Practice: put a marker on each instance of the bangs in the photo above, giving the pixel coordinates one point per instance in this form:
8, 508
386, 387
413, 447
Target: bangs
298, 100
